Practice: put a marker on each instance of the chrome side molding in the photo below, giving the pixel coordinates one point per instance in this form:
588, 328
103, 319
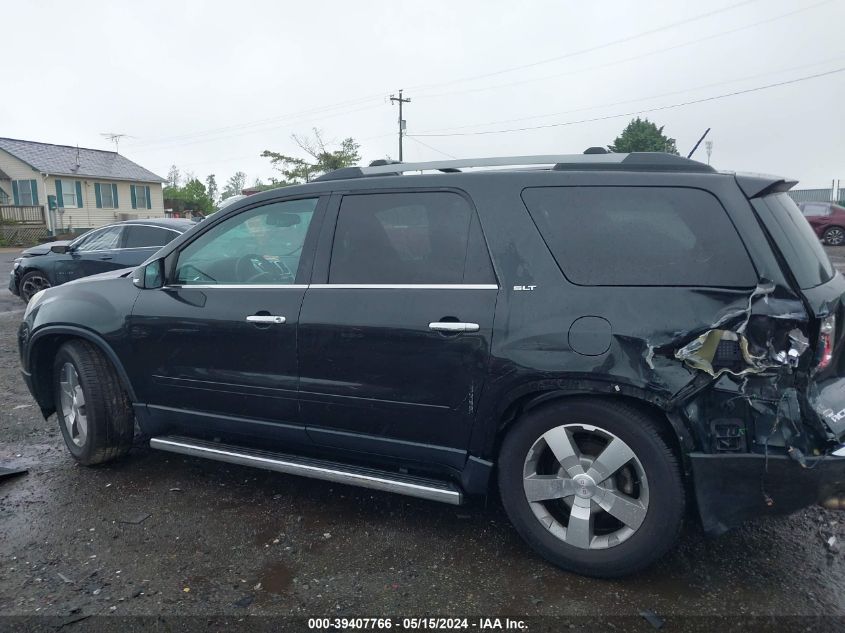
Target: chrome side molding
409, 485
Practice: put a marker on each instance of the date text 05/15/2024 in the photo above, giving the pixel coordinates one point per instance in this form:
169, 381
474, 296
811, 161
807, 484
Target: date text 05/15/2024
410, 623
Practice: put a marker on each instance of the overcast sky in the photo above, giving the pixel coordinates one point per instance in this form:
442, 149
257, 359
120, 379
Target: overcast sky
209, 85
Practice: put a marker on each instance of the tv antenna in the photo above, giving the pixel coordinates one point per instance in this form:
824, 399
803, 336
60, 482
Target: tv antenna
114, 138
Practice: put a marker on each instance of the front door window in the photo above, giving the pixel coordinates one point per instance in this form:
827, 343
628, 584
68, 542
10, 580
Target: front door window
257, 247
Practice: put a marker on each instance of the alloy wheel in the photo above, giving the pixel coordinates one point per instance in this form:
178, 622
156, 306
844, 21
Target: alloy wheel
33, 284
834, 236
73, 405
586, 486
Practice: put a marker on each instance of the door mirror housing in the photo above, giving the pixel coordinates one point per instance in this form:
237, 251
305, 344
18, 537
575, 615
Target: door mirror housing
61, 249
149, 276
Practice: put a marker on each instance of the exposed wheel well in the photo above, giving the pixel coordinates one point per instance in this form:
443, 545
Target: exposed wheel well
532, 401
43, 353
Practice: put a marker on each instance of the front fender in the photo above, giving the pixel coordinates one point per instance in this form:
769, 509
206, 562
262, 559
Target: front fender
52, 337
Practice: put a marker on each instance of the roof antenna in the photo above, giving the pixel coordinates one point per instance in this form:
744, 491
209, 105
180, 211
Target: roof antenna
114, 137
695, 147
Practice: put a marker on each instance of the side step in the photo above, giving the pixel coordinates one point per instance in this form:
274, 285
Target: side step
431, 489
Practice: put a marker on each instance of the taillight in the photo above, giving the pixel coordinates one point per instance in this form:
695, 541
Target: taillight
827, 336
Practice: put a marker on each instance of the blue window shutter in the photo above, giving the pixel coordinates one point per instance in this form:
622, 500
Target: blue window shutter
98, 195
60, 199
79, 202
15, 197
134, 199
114, 196
149, 202
34, 185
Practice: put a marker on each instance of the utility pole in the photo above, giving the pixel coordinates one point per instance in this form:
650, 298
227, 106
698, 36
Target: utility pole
401, 120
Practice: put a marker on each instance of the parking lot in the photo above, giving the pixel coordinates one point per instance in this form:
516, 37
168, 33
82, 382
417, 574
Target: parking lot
162, 534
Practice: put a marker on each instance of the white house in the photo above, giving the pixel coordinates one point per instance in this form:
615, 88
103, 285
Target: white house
73, 188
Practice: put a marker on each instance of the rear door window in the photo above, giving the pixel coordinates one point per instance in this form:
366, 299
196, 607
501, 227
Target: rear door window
795, 238
640, 236
140, 236
408, 238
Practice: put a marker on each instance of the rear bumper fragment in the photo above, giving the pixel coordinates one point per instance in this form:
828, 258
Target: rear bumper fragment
731, 489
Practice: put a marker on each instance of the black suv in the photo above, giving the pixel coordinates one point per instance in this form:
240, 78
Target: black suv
110, 247
610, 339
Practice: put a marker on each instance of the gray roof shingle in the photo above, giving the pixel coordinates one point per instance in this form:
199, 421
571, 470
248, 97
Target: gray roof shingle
62, 160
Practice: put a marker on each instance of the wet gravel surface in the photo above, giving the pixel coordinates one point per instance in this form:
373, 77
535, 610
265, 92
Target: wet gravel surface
161, 534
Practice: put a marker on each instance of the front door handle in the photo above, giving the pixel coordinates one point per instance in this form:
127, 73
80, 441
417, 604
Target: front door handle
452, 326
106, 257
265, 318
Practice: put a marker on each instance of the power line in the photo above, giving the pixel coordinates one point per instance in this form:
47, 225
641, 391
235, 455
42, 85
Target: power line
616, 103
259, 122
590, 49
169, 139
657, 109
416, 140
626, 60
171, 145
175, 141
163, 143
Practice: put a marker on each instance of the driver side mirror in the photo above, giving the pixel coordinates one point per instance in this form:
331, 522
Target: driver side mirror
61, 249
149, 276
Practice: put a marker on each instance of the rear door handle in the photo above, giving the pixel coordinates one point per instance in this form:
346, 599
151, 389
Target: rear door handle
106, 257
451, 326
265, 318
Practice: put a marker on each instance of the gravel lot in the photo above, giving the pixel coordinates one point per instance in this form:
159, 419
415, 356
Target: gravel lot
158, 534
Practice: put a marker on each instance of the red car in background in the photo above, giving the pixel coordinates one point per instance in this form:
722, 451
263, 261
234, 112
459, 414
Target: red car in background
827, 220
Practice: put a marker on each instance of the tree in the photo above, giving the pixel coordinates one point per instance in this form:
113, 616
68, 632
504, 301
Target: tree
641, 135
234, 185
193, 196
321, 160
174, 178
211, 187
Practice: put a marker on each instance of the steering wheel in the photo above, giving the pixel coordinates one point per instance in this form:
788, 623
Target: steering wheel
251, 268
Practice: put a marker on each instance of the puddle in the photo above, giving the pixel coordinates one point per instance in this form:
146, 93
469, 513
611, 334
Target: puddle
276, 577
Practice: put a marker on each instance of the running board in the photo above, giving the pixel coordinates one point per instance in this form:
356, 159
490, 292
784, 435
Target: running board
409, 485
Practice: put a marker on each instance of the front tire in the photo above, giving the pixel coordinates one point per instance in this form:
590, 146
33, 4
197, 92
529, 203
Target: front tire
93, 411
31, 283
592, 487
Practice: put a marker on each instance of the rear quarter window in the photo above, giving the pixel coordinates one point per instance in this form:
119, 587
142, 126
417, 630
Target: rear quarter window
795, 239
640, 236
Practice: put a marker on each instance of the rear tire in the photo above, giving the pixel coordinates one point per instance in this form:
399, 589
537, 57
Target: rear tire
560, 455
31, 283
834, 236
93, 411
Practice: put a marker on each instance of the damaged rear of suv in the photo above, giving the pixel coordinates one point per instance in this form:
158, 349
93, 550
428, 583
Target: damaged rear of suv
613, 339
770, 402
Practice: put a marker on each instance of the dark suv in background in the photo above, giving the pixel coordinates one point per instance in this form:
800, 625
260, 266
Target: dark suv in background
609, 340
107, 248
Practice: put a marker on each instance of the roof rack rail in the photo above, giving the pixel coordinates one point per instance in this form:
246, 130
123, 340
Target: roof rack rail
635, 161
